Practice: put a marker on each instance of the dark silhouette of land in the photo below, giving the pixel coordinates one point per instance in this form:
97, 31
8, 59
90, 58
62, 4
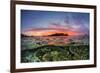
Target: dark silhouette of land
55, 34
58, 34
23, 35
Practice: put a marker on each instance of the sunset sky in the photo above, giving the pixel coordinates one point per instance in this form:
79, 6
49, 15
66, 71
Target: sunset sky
43, 23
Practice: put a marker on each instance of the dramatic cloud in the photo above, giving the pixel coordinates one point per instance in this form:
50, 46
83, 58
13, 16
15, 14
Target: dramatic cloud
40, 23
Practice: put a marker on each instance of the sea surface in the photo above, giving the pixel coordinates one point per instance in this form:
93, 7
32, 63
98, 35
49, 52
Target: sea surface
37, 41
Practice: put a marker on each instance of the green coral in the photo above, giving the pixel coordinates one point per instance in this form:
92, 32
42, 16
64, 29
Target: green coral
55, 53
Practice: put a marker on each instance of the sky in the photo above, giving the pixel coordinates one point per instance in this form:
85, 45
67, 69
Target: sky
43, 23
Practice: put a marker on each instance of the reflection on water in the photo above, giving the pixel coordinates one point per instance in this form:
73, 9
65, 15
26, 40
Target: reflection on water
32, 42
63, 39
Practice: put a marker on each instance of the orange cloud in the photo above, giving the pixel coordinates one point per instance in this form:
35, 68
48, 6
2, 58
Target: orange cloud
49, 32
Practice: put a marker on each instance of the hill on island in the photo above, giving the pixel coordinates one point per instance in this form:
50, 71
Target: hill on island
58, 34
55, 34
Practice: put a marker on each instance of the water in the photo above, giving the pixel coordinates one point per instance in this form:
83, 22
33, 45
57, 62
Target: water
36, 41
62, 39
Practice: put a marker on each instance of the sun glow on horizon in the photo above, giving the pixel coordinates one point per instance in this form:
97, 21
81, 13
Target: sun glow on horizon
49, 32
44, 23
